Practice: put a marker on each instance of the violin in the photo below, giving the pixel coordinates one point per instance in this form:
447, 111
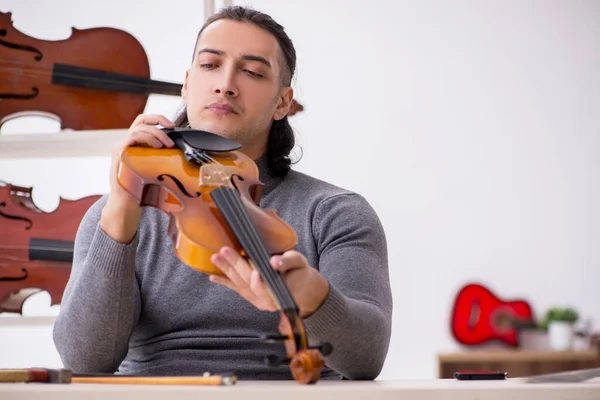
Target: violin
36, 247
211, 192
96, 79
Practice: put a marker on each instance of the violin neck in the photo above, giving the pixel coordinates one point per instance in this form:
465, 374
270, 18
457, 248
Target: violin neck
229, 202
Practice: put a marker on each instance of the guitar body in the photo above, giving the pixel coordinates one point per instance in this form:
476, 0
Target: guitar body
479, 316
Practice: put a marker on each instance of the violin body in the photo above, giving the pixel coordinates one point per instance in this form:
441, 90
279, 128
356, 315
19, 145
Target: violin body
98, 78
212, 198
162, 178
36, 247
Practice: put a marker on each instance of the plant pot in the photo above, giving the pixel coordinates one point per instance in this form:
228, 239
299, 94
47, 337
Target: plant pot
560, 334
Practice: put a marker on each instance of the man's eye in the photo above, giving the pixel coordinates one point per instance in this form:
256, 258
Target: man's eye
208, 66
252, 73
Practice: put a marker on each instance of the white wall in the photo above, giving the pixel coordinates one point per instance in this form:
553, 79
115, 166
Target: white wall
472, 127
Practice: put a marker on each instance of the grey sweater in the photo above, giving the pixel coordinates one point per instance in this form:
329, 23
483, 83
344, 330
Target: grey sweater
136, 309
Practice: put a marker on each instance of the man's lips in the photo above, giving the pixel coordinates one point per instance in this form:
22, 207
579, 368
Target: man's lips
221, 108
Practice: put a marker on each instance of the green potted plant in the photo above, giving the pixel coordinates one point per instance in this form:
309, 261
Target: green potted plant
559, 321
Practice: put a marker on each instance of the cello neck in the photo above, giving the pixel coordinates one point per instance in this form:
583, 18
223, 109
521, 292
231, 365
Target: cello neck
229, 202
70, 75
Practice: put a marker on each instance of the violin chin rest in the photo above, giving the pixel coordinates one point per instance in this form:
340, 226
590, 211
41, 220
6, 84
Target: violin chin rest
201, 140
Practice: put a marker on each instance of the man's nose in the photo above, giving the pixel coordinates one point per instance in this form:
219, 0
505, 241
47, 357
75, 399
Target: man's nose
226, 86
226, 91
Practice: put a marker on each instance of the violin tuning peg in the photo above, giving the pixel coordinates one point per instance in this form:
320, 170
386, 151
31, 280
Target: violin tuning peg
325, 348
274, 361
273, 338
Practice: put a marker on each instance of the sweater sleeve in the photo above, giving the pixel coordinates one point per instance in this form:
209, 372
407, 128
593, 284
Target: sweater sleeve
356, 315
101, 302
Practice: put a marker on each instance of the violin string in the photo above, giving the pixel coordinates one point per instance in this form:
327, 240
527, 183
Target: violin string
44, 72
272, 277
262, 261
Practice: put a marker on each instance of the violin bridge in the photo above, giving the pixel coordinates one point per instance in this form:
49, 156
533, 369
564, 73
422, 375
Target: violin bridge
215, 175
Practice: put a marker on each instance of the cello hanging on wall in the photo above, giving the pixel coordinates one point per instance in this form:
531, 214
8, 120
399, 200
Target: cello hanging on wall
98, 78
36, 247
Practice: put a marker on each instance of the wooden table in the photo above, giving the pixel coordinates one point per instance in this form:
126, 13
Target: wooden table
517, 363
426, 389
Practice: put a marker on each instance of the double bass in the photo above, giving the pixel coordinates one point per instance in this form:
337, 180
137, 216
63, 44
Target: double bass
36, 247
211, 192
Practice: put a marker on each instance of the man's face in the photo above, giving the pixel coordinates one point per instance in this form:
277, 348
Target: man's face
233, 86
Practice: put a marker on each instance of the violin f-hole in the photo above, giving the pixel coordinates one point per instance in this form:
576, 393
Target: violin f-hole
38, 56
16, 278
180, 186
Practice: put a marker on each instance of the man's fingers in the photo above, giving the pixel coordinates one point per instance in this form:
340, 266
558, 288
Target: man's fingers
239, 264
289, 260
152, 119
257, 285
158, 134
242, 278
230, 271
261, 292
150, 136
146, 123
222, 280
264, 303
145, 138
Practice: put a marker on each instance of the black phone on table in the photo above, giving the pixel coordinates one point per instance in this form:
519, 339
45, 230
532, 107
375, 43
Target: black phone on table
479, 375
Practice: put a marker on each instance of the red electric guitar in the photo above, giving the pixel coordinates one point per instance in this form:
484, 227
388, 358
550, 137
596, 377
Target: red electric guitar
479, 316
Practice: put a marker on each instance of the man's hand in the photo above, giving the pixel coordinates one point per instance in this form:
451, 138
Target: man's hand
308, 287
121, 214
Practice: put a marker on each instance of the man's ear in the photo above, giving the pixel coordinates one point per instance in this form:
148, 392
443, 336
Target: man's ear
184, 87
284, 103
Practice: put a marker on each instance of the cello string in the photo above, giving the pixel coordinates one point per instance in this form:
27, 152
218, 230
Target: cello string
45, 71
124, 81
34, 248
52, 263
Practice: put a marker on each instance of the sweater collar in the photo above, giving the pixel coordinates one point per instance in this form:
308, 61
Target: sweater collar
270, 182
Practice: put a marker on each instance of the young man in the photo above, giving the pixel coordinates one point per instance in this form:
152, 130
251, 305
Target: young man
132, 307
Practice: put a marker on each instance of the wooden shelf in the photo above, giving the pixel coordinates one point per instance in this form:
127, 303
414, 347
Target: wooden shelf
26, 321
517, 363
68, 143
518, 356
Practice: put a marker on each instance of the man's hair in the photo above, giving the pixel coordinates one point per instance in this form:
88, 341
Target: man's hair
281, 139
